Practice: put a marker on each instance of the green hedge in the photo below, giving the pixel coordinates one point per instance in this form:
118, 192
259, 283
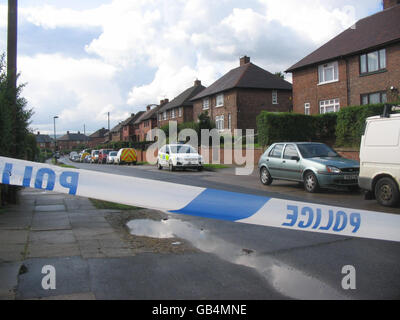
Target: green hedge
351, 123
286, 127
342, 129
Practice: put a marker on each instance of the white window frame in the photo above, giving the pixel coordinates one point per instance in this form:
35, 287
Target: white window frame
180, 112
206, 103
173, 115
220, 123
307, 108
334, 66
274, 96
324, 104
165, 115
229, 121
219, 100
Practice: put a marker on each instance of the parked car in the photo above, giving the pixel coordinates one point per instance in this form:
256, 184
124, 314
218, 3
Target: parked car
111, 159
126, 156
314, 164
380, 159
75, 158
103, 154
72, 154
179, 156
94, 156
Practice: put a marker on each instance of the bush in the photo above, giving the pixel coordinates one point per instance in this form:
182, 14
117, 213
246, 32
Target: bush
292, 127
351, 123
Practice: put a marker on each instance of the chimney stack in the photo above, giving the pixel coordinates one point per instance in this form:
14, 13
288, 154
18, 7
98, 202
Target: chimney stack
38, 133
390, 3
67, 132
244, 60
197, 83
148, 108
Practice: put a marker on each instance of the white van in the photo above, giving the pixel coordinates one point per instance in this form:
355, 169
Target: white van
380, 159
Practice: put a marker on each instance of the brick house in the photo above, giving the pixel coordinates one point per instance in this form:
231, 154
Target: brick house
43, 141
116, 133
146, 122
359, 66
128, 127
180, 109
98, 137
235, 100
72, 140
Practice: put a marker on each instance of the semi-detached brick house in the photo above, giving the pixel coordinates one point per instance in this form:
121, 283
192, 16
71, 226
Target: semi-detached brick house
128, 126
72, 140
180, 109
98, 137
235, 100
359, 66
146, 122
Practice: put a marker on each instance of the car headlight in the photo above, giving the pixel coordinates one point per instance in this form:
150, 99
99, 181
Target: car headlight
331, 169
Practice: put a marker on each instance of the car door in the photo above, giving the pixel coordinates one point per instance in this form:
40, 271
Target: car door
291, 166
274, 161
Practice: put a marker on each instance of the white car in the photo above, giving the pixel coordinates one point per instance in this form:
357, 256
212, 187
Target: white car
112, 157
380, 159
182, 156
72, 154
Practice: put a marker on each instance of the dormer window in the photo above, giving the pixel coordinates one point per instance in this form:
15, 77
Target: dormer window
328, 72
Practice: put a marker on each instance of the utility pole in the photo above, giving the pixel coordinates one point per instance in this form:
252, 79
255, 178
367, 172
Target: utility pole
12, 82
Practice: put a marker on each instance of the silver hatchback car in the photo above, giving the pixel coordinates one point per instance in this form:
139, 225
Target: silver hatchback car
314, 164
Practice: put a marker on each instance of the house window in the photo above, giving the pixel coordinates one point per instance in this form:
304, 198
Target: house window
180, 112
160, 117
165, 115
220, 100
328, 106
374, 98
229, 121
373, 61
328, 72
173, 114
307, 108
219, 122
206, 104
274, 97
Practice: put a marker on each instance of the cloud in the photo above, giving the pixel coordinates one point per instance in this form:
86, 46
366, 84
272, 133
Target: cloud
79, 91
146, 50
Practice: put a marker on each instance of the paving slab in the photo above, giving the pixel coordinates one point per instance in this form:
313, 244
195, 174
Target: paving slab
12, 252
53, 207
39, 250
9, 279
50, 222
52, 237
13, 236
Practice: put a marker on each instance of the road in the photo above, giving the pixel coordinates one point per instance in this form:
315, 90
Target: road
298, 264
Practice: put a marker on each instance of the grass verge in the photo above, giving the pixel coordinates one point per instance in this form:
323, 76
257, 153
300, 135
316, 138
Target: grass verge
100, 204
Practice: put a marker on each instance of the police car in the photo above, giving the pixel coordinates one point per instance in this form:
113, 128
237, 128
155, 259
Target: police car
182, 156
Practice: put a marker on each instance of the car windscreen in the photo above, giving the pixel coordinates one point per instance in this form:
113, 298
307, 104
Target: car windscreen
182, 149
96, 153
316, 151
113, 153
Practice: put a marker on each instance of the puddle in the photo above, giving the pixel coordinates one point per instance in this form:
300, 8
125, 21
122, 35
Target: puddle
285, 279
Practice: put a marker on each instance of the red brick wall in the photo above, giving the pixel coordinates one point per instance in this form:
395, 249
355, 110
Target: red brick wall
251, 102
307, 90
244, 105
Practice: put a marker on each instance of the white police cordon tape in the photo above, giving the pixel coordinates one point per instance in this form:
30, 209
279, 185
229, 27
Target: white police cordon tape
202, 202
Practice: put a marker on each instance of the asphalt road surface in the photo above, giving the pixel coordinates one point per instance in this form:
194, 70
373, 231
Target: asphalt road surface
299, 264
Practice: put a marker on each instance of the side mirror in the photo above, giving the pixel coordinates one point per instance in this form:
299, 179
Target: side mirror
296, 158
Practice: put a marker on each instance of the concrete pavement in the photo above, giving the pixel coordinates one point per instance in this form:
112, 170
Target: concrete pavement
94, 259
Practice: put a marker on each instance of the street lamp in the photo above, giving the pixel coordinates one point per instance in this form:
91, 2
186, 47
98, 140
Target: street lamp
55, 139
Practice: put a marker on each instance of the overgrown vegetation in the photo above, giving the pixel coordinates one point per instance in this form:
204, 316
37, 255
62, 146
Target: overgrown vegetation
15, 139
293, 127
100, 204
342, 129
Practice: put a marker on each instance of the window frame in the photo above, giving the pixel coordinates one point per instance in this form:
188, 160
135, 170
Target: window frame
218, 97
173, 114
206, 106
218, 120
380, 68
335, 66
307, 106
180, 112
273, 149
289, 146
381, 93
275, 97
324, 105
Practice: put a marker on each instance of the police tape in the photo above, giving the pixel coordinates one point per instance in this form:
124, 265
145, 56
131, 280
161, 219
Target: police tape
202, 202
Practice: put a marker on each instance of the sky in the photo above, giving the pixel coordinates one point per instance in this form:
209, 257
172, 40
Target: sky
80, 60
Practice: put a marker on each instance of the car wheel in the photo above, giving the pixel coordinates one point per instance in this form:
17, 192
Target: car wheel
200, 169
265, 177
311, 182
387, 192
159, 166
171, 167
